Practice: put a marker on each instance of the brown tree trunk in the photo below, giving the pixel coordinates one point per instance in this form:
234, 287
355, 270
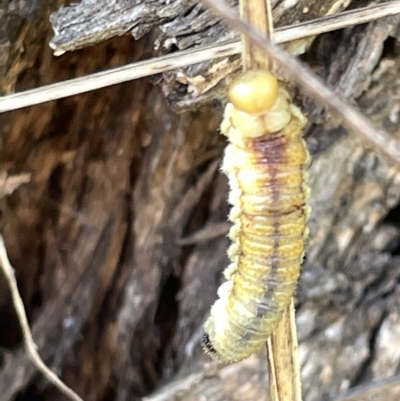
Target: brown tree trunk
118, 239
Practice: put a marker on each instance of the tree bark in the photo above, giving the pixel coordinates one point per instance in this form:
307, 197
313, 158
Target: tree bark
118, 239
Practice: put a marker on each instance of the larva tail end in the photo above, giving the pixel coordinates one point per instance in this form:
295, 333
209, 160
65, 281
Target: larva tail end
208, 347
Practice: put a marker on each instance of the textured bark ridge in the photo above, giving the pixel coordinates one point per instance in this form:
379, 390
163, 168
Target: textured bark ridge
119, 237
181, 24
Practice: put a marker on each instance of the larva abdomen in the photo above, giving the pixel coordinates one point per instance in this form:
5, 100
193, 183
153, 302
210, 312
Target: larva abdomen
265, 163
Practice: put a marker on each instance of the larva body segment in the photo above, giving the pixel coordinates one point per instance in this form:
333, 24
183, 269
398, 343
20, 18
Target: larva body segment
265, 162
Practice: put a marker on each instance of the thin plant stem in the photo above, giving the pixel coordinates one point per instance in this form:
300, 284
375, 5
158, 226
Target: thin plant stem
352, 119
31, 347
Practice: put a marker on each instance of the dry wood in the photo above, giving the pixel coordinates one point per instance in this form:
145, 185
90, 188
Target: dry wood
84, 156
382, 390
188, 57
388, 389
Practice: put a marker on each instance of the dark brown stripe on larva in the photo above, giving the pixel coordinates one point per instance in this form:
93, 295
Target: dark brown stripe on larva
269, 151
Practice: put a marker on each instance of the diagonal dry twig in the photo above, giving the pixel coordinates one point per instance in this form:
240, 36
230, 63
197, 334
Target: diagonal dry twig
188, 57
30, 345
352, 119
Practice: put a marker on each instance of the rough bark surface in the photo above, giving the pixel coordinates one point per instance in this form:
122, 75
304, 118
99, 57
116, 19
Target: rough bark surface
182, 24
117, 227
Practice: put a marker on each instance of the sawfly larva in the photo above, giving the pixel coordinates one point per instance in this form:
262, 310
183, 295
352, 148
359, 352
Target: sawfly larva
265, 162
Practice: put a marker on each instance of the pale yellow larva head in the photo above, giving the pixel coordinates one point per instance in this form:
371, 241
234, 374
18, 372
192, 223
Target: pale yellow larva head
253, 92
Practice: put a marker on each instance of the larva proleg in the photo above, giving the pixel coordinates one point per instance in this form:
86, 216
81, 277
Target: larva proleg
265, 162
